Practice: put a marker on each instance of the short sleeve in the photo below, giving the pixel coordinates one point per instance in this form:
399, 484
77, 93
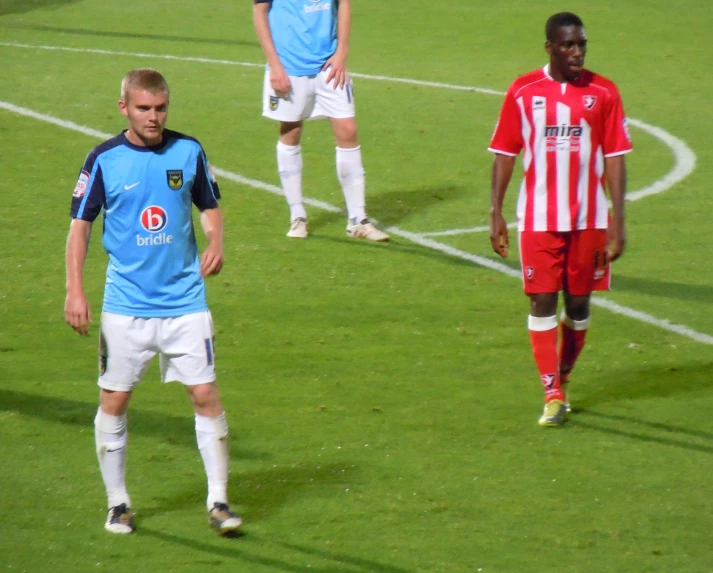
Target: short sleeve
616, 139
507, 138
205, 192
89, 195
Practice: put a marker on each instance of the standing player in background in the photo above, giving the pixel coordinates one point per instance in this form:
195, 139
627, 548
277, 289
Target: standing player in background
306, 45
571, 124
146, 180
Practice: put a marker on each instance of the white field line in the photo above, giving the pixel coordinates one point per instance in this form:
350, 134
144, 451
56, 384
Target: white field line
685, 158
414, 237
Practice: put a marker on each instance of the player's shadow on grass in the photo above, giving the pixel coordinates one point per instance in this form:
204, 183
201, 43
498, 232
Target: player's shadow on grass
167, 428
643, 384
618, 385
127, 35
392, 207
284, 555
260, 493
666, 289
644, 431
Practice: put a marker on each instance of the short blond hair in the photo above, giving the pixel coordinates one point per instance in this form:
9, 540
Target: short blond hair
144, 79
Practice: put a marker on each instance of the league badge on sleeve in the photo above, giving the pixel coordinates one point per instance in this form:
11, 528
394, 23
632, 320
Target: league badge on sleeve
81, 187
174, 178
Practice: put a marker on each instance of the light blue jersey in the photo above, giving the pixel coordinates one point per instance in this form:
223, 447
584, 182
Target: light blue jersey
304, 33
147, 195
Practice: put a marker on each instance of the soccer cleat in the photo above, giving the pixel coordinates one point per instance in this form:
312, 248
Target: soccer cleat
298, 228
365, 230
223, 520
120, 519
555, 414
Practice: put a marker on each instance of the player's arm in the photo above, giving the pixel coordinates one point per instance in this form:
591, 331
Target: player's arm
279, 80
212, 259
337, 64
503, 167
615, 173
76, 307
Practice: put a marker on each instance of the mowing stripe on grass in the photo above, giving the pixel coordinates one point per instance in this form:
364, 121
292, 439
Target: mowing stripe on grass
414, 237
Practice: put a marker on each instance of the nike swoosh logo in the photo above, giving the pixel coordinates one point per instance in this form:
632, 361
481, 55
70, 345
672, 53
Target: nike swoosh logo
127, 187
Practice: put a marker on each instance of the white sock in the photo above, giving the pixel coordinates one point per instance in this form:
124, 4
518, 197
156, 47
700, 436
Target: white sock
111, 437
212, 437
289, 166
351, 175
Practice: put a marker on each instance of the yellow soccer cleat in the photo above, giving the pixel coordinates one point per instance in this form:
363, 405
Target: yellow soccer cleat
555, 413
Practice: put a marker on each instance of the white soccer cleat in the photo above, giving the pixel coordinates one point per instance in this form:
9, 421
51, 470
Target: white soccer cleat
298, 229
223, 520
120, 519
365, 230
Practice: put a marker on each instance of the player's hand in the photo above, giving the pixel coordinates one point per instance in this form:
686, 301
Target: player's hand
616, 235
499, 234
337, 66
279, 81
212, 260
77, 312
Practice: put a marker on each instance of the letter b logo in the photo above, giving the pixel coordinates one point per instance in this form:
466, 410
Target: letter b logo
154, 219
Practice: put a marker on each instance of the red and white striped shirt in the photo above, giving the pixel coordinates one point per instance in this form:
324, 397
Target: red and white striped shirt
566, 130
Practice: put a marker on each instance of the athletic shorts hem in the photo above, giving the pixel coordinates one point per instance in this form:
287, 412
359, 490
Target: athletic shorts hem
192, 382
116, 387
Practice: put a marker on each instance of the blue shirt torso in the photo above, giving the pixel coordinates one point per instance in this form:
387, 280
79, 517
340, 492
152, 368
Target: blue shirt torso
147, 195
304, 33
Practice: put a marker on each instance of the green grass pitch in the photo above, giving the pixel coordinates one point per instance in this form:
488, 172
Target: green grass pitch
382, 399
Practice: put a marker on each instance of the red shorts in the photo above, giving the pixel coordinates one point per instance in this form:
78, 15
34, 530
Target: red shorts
575, 261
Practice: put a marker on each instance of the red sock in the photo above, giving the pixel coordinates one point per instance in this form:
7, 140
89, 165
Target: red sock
543, 337
572, 341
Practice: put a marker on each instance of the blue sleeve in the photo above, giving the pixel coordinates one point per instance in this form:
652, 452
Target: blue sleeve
205, 192
89, 196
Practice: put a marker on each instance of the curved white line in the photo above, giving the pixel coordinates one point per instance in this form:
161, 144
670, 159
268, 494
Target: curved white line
683, 167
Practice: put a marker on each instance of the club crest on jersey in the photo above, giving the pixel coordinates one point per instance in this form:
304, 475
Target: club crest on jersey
274, 102
589, 101
81, 187
174, 178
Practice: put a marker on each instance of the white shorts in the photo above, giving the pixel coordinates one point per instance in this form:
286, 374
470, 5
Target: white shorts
127, 344
310, 97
